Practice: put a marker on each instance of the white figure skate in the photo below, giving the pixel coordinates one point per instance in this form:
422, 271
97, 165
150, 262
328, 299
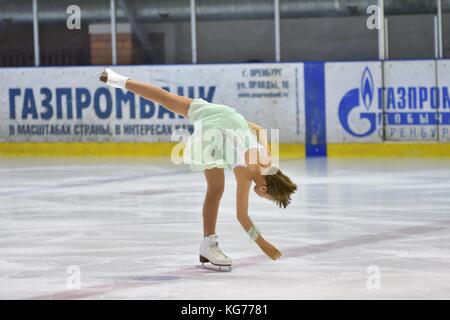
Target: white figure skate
113, 79
211, 257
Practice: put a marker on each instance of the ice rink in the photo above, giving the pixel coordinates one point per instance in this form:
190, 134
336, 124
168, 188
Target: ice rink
133, 228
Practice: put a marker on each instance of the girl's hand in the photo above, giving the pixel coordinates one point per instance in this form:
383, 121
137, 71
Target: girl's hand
268, 248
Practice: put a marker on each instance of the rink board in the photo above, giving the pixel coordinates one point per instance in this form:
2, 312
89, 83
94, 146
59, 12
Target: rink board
72, 105
395, 108
164, 149
443, 78
352, 102
410, 101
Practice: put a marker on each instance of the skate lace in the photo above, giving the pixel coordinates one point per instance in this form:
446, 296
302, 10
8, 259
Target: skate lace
215, 247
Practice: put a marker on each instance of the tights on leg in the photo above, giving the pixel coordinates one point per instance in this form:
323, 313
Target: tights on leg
215, 179
171, 101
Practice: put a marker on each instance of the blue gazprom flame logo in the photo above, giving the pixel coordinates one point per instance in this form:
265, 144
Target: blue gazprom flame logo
367, 88
351, 100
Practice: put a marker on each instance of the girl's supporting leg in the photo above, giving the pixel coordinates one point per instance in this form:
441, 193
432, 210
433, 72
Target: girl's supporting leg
215, 179
171, 101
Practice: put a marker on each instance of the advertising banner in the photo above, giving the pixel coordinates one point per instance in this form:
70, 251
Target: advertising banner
70, 104
443, 69
411, 101
353, 102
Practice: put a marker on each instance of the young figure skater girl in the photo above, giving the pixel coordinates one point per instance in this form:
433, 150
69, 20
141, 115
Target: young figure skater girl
249, 159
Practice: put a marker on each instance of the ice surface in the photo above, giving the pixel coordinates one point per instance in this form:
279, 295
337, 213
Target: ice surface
133, 227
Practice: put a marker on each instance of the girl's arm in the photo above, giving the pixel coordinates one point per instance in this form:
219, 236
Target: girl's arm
242, 194
263, 158
261, 134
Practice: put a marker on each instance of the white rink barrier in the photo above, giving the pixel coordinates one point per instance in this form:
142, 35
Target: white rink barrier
347, 102
412, 105
71, 105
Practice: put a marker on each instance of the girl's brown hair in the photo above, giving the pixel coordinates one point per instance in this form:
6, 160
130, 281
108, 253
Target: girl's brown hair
280, 187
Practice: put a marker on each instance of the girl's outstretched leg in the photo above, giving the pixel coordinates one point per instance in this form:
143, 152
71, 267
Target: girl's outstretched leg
171, 101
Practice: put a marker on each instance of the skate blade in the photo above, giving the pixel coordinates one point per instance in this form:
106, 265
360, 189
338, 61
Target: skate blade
213, 267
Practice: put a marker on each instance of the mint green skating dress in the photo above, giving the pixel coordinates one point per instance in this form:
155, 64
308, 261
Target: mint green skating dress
220, 139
